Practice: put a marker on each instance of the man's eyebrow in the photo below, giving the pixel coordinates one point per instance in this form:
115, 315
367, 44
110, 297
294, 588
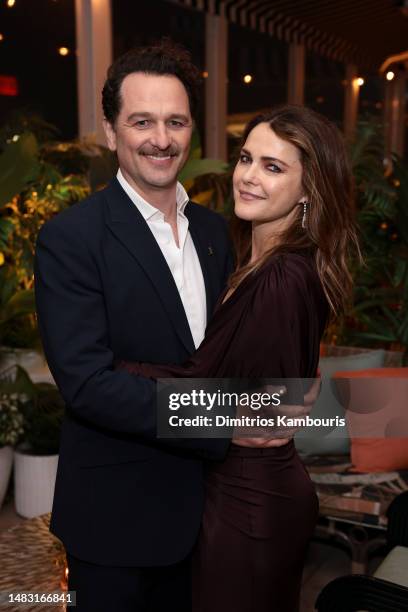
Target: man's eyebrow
266, 158
181, 117
139, 115
147, 115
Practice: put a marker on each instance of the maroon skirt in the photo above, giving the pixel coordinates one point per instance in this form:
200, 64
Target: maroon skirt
260, 513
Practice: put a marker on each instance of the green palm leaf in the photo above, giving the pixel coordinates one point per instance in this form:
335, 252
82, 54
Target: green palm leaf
16, 166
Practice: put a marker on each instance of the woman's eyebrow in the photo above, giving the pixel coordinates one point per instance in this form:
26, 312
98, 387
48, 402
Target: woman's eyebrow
266, 158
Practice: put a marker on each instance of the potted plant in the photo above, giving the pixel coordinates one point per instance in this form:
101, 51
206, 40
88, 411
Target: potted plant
32, 190
36, 458
14, 383
11, 430
378, 317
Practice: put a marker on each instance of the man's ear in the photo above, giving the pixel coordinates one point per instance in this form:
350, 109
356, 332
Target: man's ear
110, 134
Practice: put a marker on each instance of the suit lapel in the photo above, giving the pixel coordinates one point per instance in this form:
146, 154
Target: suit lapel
133, 232
205, 251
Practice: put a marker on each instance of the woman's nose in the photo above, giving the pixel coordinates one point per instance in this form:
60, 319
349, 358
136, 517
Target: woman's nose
251, 174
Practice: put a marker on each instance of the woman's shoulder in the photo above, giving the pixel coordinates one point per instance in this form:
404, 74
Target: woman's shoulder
292, 269
292, 279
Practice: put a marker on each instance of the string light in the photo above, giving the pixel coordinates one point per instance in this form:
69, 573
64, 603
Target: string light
247, 79
11, 3
360, 81
390, 75
63, 51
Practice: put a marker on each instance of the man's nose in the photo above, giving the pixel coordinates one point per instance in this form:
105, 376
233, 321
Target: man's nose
160, 137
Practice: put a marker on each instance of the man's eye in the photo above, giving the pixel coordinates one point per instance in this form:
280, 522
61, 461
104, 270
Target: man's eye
142, 123
177, 124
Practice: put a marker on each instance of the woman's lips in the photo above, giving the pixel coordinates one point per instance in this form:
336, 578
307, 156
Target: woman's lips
248, 196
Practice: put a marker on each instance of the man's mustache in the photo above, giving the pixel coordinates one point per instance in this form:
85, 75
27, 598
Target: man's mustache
171, 151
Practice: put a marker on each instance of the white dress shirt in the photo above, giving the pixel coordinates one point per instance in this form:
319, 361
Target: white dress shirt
182, 260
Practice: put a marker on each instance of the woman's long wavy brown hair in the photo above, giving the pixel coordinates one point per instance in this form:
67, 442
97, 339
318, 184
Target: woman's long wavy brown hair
330, 233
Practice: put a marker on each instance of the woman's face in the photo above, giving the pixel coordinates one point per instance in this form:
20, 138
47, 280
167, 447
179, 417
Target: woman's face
267, 180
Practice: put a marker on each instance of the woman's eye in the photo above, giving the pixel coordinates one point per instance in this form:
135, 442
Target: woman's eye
274, 168
244, 159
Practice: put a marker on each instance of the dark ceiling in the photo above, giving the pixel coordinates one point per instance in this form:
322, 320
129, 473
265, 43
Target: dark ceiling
365, 32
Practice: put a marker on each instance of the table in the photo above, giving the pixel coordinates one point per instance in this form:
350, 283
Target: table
32, 559
353, 507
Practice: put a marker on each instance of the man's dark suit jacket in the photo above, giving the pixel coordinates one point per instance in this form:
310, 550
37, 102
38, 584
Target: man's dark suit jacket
104, 292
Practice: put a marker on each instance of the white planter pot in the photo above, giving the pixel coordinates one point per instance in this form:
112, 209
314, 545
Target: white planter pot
34, 482
6, 463
32, 361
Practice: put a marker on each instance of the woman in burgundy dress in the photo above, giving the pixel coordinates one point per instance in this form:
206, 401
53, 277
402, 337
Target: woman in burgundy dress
293, 230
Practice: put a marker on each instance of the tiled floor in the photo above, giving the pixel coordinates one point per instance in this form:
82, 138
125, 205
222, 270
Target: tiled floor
324, 562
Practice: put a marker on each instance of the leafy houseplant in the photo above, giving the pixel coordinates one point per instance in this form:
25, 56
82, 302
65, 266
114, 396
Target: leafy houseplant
32, 190
11, 430
43, 416
36, 459
11, 419
379, 315
206, 180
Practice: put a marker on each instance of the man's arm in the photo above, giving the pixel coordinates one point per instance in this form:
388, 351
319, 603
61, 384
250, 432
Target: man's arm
74, 328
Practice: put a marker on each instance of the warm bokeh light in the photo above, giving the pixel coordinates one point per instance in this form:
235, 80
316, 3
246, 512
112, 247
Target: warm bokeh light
1, 37
360, 81
390, 75
247, 78
63, 50
11, 3
205, 74
8, 85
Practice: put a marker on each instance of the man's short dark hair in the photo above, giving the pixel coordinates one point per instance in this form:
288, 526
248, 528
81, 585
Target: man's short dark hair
165, 58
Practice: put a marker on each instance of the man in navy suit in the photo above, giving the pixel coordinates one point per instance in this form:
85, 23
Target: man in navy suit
133, 272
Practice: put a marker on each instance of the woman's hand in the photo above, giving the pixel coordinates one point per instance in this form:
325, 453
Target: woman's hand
276, 436
260, 442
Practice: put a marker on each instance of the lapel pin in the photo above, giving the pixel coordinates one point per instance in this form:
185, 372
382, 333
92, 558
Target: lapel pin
210, 251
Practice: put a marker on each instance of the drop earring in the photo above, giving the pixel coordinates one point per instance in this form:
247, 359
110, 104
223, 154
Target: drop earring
304, 215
